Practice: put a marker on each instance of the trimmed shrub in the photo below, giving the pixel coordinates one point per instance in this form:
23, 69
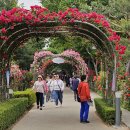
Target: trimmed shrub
126, 104
27, 93
11, 110
106, 112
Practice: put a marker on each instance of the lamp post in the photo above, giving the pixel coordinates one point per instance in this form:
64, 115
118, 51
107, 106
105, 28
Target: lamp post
117, 95
118, 111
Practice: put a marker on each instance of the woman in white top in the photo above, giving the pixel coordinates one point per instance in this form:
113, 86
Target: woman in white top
39, 87
58, 87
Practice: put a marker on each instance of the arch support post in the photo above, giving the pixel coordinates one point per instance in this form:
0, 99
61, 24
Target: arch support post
117, 95
2, 82
114, 80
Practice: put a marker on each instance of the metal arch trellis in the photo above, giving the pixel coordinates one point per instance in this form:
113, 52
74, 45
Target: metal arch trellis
33, 33
38, 15
15, 42
20, 24
87, 29
43, 69
74, 63
46, 33
42, 55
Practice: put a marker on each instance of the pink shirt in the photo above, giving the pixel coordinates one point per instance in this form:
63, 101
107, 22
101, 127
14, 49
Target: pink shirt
45, 85
40, 86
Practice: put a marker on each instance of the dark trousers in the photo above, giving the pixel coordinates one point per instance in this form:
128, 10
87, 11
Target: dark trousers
84, 110
58, 96
48, 96
75, 94
43, 100
39, 98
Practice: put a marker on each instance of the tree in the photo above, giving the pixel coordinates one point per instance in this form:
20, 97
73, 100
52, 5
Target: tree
24, 54
8, 4
57, 5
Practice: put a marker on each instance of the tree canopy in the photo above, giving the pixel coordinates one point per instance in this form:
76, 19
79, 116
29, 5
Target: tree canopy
8, 4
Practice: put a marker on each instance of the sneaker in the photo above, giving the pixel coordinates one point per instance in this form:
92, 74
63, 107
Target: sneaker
87, 121
56, 106
81, 121
40, 108
43, 106
37, 107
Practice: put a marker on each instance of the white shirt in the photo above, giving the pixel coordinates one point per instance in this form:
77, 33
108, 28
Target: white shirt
57, 85
49, 82
79, 80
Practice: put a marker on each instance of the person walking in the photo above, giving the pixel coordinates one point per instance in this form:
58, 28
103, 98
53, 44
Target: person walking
71, 78
46, 90
58, 87
50, 93
67, 80
75, 83
39, 87
84, 95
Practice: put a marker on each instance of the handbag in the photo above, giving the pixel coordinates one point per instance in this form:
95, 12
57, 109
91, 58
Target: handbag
78, 98
90, 103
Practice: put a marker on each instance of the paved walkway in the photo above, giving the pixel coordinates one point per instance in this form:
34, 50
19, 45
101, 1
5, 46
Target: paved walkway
61, 118
126, 117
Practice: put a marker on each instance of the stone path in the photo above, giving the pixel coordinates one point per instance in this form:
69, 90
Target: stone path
61, 118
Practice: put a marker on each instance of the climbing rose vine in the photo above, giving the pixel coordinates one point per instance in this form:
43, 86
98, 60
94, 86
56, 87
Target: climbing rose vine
8, 19
73, 55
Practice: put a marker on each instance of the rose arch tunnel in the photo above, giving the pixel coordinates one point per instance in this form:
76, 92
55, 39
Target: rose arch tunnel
43, 59
19, 31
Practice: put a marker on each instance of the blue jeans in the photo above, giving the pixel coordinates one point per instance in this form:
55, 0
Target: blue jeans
84, 110
58, 96
53, 93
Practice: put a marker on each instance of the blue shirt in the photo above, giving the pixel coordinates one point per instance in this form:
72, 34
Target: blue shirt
75, 83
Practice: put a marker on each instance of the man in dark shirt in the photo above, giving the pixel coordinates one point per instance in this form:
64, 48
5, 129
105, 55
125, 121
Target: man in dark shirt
75, 83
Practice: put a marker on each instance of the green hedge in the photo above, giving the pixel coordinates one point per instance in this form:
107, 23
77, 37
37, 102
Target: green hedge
106, 112
27, 93
126, 104
11, 110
